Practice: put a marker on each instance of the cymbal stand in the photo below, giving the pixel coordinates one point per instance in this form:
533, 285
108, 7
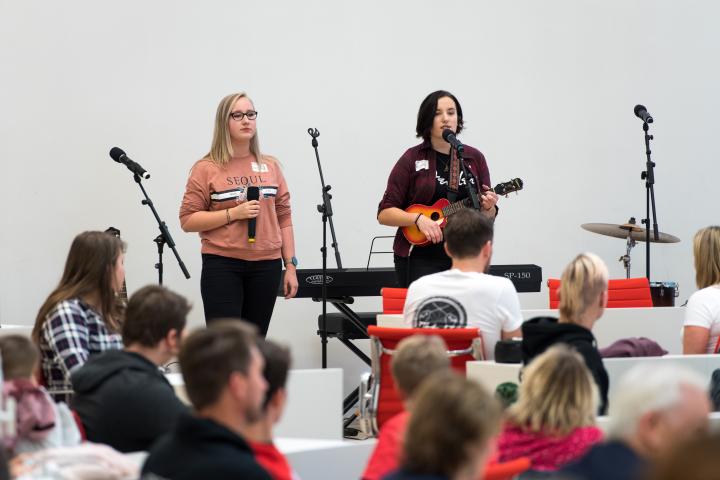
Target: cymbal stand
626, 258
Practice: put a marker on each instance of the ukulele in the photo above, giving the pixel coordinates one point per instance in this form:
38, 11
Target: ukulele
440, 210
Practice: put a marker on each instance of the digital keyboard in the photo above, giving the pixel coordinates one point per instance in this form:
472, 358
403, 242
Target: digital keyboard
364, 282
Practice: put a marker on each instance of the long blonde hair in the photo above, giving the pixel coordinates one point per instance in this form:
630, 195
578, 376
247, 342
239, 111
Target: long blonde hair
221, 149
583, 280
557, 394
89, 268
706, 250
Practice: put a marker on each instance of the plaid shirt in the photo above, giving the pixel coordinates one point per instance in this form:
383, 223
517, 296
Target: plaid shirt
71, 333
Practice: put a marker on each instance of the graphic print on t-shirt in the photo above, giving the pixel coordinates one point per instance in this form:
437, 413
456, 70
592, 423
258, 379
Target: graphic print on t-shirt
440, 312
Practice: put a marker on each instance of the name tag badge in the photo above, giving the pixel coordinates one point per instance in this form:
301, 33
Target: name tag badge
261, 168
421, 165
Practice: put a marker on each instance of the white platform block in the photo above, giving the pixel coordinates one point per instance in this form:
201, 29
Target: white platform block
662, 324
326, 459
314, 407
492, 374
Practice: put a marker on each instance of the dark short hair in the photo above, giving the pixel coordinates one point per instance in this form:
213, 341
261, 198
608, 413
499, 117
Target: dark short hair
277, 364
210, 355
426, 113
467, 232
19, 357
150, 315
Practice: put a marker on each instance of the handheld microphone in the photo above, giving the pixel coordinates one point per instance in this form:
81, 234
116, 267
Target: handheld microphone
253, 193
642, 113
119, 156
449, 136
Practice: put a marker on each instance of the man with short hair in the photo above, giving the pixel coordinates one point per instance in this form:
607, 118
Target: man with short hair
260, 435
122, 397
466, 296
222, 368
416, 358
653, 410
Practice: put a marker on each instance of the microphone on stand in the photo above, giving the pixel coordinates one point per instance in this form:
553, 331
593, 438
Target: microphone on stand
253, 193
449, 136
642, 113
119, 156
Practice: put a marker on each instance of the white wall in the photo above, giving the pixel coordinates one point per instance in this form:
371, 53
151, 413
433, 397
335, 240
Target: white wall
547, 89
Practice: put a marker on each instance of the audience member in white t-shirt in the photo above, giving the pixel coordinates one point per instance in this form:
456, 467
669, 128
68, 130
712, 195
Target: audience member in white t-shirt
466, 296
702, 315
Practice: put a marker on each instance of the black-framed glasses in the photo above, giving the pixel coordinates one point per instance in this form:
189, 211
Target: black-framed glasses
238, 116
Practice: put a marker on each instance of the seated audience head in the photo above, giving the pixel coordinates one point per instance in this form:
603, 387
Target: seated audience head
468, 236
583, 290
277, 365
155, 319
696, 459
557, 394
450, 428
655, 408
416, 358
94, 271
706, 250
19, 357
222, 368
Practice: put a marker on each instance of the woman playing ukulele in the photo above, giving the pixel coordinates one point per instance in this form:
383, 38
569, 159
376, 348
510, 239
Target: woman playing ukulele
424, 174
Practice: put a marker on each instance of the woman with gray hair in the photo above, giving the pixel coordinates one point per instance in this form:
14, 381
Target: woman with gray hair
654, 410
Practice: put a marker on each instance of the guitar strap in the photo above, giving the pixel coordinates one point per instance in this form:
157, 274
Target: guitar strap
452, 190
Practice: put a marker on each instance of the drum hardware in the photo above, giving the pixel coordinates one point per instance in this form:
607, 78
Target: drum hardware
632, 234
664, 293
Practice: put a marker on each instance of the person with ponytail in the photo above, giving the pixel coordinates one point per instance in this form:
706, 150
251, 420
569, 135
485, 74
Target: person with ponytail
583, 297
83, 314
701, 331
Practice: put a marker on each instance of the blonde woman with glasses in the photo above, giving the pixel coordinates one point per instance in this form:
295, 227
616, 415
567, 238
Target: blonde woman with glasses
232, 187
553, 421
583, 297
701, 332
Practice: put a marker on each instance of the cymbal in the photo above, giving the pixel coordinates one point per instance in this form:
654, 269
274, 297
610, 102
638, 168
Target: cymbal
622, 231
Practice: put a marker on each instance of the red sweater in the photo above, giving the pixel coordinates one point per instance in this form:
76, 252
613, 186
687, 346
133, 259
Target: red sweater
272, 460
212, 188
386, 456
545, 452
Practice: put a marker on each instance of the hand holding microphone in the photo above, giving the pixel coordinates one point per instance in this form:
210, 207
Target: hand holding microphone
253, 196
246, 210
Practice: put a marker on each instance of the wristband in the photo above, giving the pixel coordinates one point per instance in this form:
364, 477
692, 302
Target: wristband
417, 218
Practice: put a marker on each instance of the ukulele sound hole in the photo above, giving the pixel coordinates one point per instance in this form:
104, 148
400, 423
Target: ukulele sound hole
435, 216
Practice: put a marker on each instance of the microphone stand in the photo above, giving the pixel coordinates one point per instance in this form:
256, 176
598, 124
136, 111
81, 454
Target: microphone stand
472, 191
163, 238
649, 176
326, 209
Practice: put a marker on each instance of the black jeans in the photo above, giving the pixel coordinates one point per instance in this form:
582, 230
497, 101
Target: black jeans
409, 269
240, 289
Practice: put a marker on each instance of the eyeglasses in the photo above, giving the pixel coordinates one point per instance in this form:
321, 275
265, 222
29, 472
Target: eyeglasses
238, 116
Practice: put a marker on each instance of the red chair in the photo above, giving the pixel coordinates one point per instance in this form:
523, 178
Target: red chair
506, 470
622, 293
393, 299
379, 399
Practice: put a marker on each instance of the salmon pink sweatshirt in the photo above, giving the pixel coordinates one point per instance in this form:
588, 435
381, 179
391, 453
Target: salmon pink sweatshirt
211, 187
